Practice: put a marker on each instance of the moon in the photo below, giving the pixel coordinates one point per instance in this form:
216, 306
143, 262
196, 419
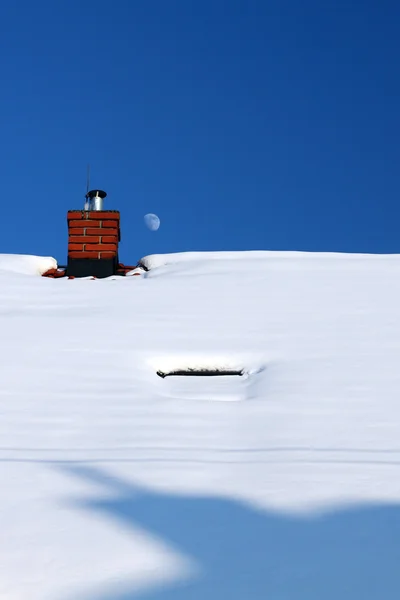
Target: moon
152, 221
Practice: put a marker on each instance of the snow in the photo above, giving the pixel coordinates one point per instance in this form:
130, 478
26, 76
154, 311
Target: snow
27, 264
284, 483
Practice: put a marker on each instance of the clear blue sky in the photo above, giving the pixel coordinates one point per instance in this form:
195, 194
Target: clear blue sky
242, 124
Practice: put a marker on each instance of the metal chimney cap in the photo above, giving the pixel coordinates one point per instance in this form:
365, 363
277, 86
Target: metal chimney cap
96, 194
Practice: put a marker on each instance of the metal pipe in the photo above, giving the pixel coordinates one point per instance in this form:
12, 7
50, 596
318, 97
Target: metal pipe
95, 200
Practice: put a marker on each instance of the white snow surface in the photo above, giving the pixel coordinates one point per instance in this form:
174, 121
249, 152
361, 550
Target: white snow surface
27, 264
283, 483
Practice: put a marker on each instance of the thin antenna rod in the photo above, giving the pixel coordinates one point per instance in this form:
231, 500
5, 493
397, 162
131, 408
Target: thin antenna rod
87, 201
87, 179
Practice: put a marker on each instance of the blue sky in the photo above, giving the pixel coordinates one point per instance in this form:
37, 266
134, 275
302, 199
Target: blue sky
243, 125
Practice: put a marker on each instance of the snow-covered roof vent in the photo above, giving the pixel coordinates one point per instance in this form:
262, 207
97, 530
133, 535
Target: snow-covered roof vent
207, 377
197, 364
205, 372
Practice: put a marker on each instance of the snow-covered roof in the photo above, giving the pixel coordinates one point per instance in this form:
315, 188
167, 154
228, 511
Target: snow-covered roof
281, 482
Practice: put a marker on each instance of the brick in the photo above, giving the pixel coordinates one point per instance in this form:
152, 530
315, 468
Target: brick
83, 254
109, 224
100, 215
78, 239
73, 224
49, 273
101, 247
94, 231
75, 231
54, 273
106, 255
110, 232
108, 239
76, 247
92, 239
74, 215
102, 231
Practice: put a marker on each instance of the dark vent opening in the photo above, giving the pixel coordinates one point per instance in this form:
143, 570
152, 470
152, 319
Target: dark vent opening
199, 373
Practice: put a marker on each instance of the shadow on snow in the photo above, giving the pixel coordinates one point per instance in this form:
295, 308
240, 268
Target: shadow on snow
249, 554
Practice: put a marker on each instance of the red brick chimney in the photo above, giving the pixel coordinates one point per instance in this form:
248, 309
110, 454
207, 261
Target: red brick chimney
93, 236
